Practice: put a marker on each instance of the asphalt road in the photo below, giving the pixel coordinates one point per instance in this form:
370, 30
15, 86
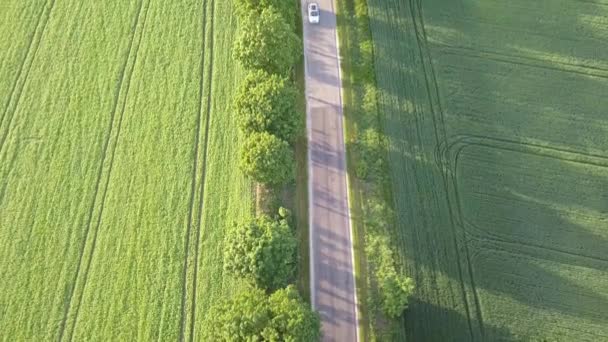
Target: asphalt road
331, 255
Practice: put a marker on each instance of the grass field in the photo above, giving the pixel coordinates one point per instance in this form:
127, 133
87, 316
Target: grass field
117, 167
496, 116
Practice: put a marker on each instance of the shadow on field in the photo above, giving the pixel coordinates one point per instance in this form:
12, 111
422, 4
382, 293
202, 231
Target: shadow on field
458, 329
529, 101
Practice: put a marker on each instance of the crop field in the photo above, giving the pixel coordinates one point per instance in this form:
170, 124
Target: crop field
495, 113
118, 167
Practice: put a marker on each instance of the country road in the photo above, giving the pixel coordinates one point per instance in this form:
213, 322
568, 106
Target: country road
332, 281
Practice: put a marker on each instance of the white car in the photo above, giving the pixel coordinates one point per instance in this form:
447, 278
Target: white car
313, 13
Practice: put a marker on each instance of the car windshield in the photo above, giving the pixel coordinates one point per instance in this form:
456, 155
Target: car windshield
314, 13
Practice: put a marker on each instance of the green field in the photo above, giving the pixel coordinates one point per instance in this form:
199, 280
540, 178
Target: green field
117, 167
495, 112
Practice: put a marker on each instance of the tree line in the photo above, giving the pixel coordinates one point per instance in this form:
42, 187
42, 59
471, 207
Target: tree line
263, 250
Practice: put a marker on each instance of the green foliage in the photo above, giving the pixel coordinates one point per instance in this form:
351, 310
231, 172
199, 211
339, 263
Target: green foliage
293, 319
242, 318
287, 8
267, 102
262, 250
252, 315
267, 42
267, 159
285, 214
370, 164
395, 289
391, 289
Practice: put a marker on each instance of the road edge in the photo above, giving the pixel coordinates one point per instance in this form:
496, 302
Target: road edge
346, 180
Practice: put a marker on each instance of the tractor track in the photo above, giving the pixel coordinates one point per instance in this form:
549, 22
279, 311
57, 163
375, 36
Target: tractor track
16, 90
185, 322
125, 75
464, 141
494, 25
477, 233
525, 61
437, 114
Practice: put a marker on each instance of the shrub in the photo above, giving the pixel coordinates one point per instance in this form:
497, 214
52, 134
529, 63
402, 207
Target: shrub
396, 290
371, 151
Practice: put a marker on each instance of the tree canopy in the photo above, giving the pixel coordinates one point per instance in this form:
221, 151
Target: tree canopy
267, 159
262, 250
265, 41
267, 102
285, 7
252, 315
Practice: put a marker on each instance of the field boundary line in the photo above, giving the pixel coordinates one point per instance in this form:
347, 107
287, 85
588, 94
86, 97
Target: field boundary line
195, 167
33, 42
204, 109
581, 69
432, 88
125, 75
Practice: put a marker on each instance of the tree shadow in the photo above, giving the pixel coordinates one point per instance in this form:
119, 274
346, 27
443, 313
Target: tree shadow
455, 327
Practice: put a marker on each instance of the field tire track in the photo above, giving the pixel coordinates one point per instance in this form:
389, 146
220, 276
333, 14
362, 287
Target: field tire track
593, 2
475, 232
580, 69
441, 136
526, 32
202, 189
123, 77
466, 140
480, 52
463, 141
17, 97
203, 164
479, 234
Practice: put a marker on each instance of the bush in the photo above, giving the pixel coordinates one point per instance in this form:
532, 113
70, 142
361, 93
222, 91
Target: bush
266, 102
251, 315
371, 152
396, 290
267, 42
262, 250
267, 159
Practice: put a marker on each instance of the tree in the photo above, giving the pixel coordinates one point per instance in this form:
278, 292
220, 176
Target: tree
293, 320
285, 7
242, 318
267, 159
266, 102
265, 41
262, 250
252, 315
